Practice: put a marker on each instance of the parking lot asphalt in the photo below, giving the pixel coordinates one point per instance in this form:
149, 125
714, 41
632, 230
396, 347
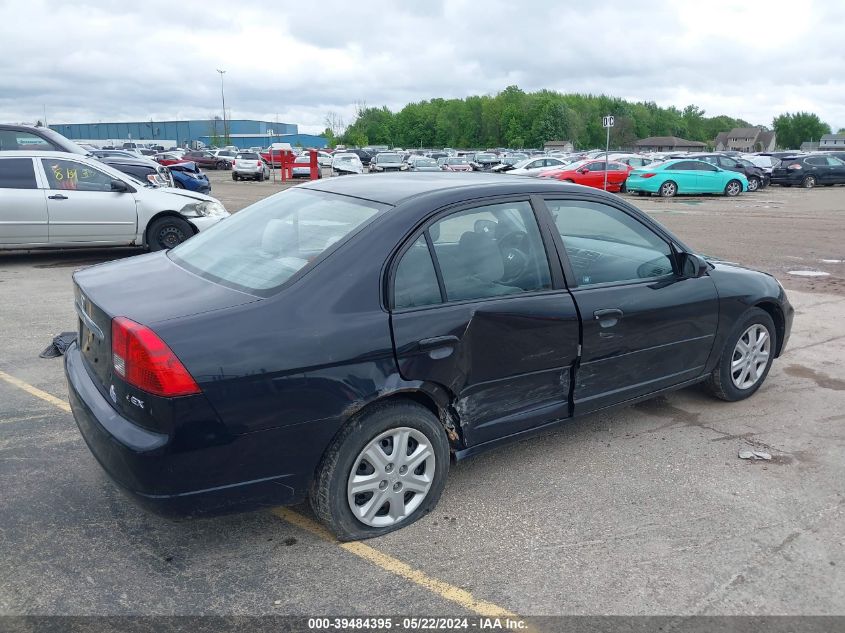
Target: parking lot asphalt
640, 510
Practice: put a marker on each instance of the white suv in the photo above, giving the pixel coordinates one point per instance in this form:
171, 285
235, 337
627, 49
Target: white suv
57, 199
250, 165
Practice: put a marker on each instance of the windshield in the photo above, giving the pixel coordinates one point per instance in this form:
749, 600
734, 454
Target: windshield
388, 158
260, 248
457, 161
484, 158
425, 162
247, 156
346, 158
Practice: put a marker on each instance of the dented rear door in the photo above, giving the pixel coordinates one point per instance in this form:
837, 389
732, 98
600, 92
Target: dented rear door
507, 360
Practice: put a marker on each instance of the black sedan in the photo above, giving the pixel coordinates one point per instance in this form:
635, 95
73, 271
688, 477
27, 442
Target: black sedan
348, 339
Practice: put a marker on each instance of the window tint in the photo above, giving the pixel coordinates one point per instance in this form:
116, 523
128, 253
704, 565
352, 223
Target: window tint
816, 161
490, 251
832, 160
606, 245
680, 166
17, 173
699, 165
68, 174
11, 140
596, 166
727, 162
416, 282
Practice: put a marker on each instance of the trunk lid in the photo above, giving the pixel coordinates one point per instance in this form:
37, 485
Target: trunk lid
148, 289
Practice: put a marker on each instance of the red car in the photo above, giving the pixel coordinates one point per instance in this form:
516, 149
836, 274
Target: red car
591, 173
457, 163
167, 158
273, 157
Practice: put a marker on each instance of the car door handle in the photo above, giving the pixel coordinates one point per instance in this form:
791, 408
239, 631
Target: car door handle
437, 342
609, 317
57, 196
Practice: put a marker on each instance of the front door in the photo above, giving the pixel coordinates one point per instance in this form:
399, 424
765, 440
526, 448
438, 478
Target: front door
23, 206
645, 327
82, 206
484, 319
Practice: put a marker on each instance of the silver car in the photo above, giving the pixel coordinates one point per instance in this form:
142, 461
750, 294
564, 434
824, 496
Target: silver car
58, 199
387, 161
250, 165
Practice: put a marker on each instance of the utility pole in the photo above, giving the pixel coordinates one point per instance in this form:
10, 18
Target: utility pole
223, 98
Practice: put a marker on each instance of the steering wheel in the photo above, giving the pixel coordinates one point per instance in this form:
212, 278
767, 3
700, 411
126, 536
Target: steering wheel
514, 255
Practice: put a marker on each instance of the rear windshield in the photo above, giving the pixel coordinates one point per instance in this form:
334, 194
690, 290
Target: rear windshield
261, 247
248, 156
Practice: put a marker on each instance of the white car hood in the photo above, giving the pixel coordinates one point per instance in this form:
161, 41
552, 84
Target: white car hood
181, 193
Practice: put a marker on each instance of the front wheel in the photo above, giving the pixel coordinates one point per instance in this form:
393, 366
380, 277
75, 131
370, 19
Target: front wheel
167, 232
221, 165
384, 470
746, 357
733, 188
668, 189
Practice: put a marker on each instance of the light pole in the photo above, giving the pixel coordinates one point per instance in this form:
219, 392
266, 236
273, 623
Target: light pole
223, 98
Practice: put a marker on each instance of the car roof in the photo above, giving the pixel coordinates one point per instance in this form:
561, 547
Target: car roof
39, 154
395, 188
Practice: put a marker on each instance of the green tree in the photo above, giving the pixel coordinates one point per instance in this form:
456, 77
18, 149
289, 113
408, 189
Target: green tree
794, 129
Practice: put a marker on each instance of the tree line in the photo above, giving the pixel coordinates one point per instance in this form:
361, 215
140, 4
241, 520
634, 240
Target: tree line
517, 119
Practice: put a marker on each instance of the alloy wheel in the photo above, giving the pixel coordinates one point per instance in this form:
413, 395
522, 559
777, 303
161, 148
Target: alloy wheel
668, 189
750, 356
753, 184
734, 188
391, 477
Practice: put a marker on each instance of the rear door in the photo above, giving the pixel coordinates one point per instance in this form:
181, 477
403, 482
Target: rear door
477, 309
645, 327
23, 205
82, 207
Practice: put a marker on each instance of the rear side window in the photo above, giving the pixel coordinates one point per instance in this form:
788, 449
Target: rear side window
17, 173
261, 247
490, 251
415, 283
816, 161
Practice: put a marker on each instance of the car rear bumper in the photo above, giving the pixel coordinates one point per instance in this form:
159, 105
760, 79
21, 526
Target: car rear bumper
152, 467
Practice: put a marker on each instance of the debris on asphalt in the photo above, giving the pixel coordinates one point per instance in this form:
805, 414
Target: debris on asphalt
59, 345
754, 455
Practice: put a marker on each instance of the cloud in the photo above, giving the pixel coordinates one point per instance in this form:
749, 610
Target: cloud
107, 60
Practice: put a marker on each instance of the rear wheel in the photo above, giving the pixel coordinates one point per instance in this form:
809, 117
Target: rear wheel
733, 188
178, 184
809, 182
383, 471
234, 175
167, 232
753, 184
746, 357
260, 176
668, 189
221, 164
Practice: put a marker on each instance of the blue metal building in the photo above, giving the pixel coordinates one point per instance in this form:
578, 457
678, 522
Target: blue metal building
242, 132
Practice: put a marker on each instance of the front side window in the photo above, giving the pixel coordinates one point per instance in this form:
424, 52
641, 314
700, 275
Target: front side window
68, 174
17, 173
490, 251
415, 283
12, 141
261, 247
606, 245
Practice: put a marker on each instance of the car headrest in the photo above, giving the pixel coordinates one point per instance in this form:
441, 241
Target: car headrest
481, 256
434, 231
278, 236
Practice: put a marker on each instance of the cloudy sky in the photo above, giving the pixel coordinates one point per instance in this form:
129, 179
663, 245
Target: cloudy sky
105, 60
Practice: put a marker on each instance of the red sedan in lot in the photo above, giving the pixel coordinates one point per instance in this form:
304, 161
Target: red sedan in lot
591, 173
168, 158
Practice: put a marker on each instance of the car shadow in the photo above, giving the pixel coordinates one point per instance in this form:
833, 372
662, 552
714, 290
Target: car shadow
49, 258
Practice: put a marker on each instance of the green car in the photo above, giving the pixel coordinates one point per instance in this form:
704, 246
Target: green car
680, 176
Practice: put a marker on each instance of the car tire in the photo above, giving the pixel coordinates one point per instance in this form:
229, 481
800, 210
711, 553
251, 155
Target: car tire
668, 189
234, 176
733, 188
642, 193
330, 495
260, 177
167, 232
178, 184
809, 182
623, 188
723, 380
754, 184
220, 165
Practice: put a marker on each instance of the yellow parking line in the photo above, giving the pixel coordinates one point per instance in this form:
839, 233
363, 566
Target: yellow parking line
35, 391
443, 589
384, 561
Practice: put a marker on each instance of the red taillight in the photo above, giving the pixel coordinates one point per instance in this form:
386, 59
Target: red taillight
141, 358
650, 174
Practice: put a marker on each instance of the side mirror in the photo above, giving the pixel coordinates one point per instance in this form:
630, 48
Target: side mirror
119, 186
693, 266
